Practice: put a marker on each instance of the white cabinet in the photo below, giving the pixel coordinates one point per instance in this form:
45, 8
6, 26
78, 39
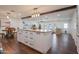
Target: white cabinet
20, 36
43, 43
40, 41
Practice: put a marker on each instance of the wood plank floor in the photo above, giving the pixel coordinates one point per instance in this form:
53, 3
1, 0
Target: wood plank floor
62, 44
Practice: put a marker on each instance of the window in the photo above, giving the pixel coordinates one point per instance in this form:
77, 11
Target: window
50, 26
65, 25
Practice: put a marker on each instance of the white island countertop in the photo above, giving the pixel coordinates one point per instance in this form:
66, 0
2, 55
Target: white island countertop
37, 30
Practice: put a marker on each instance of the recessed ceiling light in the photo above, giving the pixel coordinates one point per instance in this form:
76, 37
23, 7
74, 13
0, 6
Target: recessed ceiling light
7, 17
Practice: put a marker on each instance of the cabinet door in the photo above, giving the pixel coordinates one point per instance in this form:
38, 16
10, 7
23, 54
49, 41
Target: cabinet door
43, 42
26, 37
20, 36
31, 38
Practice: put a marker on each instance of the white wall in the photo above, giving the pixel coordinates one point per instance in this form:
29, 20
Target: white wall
77, 38
72, 25
13, 23
74, 28
3, 23
16, 23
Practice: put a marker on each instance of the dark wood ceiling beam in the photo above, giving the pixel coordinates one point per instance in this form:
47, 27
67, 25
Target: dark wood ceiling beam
62, 9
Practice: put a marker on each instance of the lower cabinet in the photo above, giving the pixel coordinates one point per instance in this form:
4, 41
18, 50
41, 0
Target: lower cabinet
43, 44
37, 40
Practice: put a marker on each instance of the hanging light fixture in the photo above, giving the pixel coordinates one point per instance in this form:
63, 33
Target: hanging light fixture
36, 13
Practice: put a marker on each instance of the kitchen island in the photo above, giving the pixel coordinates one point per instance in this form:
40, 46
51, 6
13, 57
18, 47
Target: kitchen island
39, 40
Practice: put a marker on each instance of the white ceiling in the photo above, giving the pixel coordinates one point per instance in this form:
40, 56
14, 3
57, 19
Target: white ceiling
27, 10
